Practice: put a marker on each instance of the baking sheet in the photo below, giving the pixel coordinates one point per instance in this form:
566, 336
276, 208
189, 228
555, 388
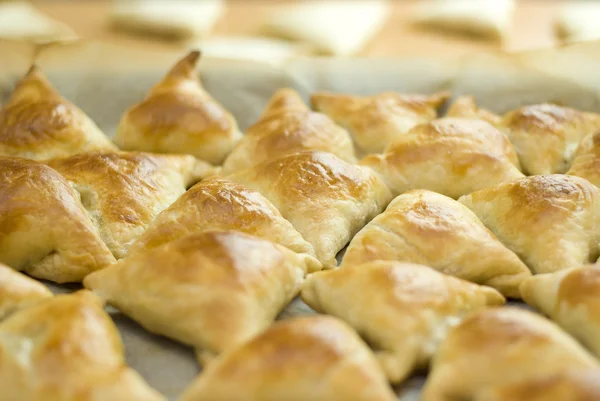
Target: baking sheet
105, 78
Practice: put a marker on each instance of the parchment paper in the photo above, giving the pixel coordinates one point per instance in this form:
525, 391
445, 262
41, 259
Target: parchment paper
104, 79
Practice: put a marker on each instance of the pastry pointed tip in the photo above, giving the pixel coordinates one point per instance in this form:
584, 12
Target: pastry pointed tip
186, 67
287, 99
33, 87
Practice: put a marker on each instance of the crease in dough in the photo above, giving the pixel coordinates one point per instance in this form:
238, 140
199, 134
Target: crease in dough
375, 121
288, 126
180, 116
317, 358
499, 346
220, 204
17, 291
37, 123
44, 229
452, 156
402, 310
213, 290
572, 299
66, 348
551, 222
427, 228
325, 198
586, 163
124, 191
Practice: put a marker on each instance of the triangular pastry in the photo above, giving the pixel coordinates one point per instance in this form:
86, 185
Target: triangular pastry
44, 229
220, 204
500, 346
180, 116
431, 229
18, 291
572, 299
325, 198
316, 358
21, 20
212, 290
37, 123
586, 163
124, 191
375, 121
66, 349
402, 310
452, 156
551, 222
466, 107
287, 126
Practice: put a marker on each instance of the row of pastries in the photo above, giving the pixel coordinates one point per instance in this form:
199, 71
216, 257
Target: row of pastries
204, 235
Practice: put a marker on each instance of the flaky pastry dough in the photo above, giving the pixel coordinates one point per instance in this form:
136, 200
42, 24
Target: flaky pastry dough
586, 163
18, 291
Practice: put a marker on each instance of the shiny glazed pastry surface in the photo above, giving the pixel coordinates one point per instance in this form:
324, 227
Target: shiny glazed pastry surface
586, 163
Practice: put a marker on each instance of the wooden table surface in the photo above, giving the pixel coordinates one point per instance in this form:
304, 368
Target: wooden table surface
532, 27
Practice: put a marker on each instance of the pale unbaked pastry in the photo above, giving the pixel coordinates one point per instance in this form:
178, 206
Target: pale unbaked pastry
37, 123
66, 348
124, 191
287, 126
21, 20
551, 222
375, 121
466, 107
180, 116
325, 198
571, 298
45, 231
586, 163
500, 346
212, 290
424, 227
220, 204
452, 156
18, 291
402, 310
315, 358
577, 21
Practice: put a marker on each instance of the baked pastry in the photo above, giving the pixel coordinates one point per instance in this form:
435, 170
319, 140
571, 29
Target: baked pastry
330, 26
18, 291
431, 229
37, 123
288, 126
500, 346
326, 199
546, 136
179, 116
586, 163
212, 290
314, 358
124, 191
466, 107
402, 310
576, 21
575, 385
66, 349
19, 20
551, 222
220, 204
44, 229
572, 299
452, 156
375, 121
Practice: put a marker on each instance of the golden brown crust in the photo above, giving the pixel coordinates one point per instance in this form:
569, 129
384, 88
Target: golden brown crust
220, 204
313, 358
586, 163
424, 227
375, 121
124, 191
37, 123
499, 346
546, 136
466, 107
551, 222
401, 309
66, 349
452, 156
326, 199
211, 290
287, 126
179, 116
18, 291
44, 229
